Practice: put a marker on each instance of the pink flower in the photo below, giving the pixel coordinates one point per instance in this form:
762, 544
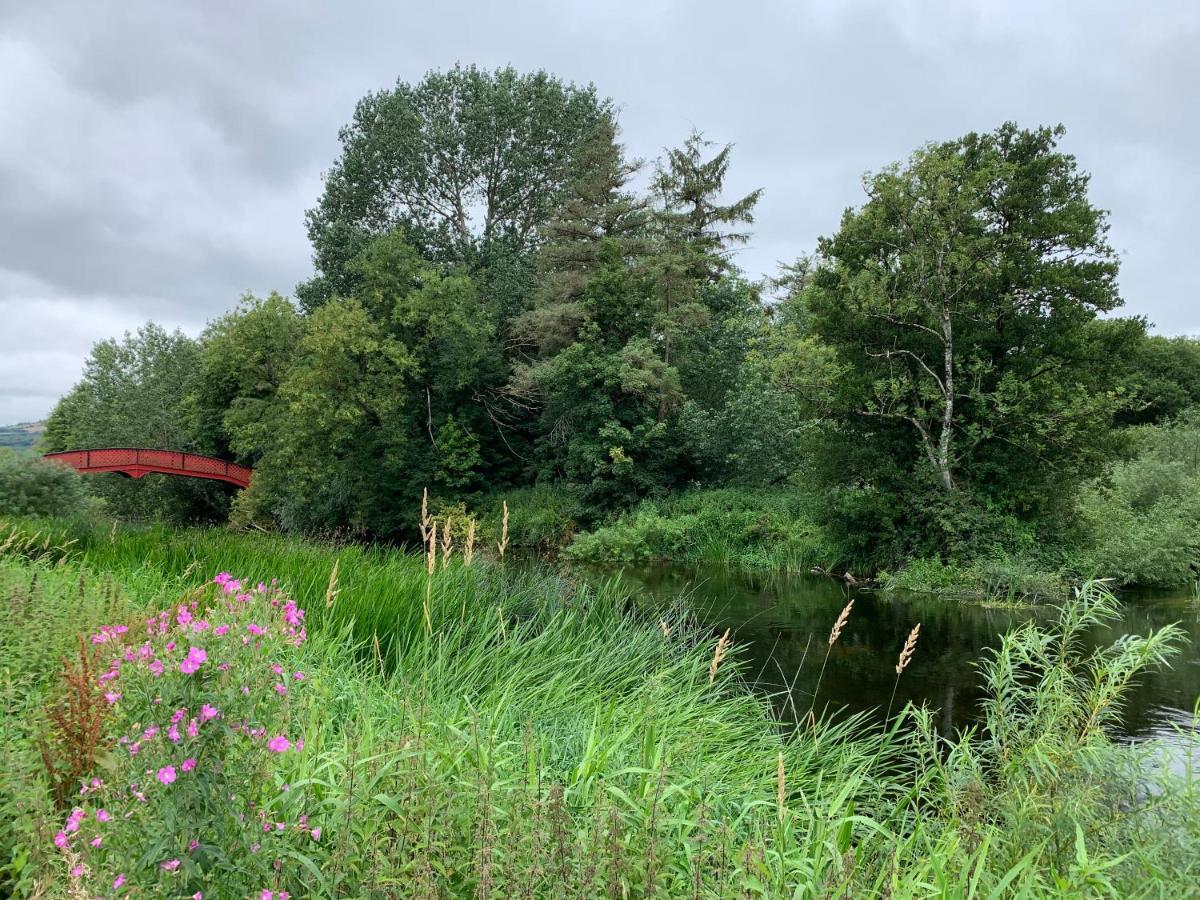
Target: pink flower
77, 871
96, 841
156, 667
173, 734
221, 630
118, 881
193, 844
188, 764
266, 895
197, 896
183, 616
170, 646
281, 689
193, 728
112, 696
134, 748
208, 711
171, 865
279, 744
60, 840
102, 815
256, 630
316, 833
277, 668
196, 657
166, 774
299, 676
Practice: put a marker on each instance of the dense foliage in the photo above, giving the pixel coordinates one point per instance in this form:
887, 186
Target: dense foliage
31, 487
433, 735
506, 301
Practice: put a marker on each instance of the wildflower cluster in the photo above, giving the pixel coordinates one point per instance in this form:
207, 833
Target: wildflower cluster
201, 701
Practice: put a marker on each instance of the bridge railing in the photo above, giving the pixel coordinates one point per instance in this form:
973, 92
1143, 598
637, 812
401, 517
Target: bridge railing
140, 460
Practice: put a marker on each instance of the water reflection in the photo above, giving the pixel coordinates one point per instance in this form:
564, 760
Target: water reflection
785, 619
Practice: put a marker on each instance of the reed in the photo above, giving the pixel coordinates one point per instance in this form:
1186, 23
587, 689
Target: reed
909, 649
835, 634
502, 545
447, 542
469, 544
330, 589
539, 740
719, 652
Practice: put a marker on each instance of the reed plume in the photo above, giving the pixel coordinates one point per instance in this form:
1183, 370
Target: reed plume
718, 654
910, 647
431, 545
469, 546
447, 542
331, 590
836, 631
780, 785
503, 544
425, 516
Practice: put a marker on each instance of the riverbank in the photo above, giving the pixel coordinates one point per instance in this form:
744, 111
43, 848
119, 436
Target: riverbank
484, 731
1139, 528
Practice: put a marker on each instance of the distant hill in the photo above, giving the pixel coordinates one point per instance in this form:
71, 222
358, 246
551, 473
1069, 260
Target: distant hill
21, 437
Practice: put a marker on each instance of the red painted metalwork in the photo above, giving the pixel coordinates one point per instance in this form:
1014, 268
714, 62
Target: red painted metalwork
136, 462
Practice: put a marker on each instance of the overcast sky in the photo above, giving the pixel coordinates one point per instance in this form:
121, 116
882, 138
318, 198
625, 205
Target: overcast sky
156, 157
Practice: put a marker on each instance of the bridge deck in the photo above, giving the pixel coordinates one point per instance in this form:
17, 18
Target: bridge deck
138, 461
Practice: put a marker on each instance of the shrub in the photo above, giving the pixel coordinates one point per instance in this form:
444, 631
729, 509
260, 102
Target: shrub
1142, 524
31, 486
753, 528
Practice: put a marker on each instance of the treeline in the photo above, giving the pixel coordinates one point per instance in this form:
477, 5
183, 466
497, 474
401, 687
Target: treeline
503, 297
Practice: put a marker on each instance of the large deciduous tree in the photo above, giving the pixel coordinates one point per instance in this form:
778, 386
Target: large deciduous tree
958, 300
468, 162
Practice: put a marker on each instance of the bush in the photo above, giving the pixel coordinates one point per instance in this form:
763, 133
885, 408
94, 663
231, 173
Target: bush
1142, 524
753, 528
31, 486
544, 518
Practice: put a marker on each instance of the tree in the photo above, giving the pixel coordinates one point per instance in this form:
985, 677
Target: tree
695, 242
336, 458
958, 300
233, 406
132, 395
469, 163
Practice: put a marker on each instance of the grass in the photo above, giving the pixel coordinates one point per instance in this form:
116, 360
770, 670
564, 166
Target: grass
519, 735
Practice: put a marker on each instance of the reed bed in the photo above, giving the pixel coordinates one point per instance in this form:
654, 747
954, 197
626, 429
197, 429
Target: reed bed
494, 731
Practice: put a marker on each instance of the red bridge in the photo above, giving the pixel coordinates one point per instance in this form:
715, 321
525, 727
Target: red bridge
136, 462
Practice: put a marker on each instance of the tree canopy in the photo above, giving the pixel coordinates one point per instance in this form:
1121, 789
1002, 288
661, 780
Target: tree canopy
504, 297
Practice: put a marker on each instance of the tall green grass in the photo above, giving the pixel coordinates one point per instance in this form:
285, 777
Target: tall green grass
533, 737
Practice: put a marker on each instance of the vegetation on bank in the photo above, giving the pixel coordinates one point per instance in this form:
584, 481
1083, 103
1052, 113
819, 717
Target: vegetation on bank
945, 377
476, 750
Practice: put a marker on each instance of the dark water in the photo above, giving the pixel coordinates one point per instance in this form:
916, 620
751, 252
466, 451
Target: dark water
784, 621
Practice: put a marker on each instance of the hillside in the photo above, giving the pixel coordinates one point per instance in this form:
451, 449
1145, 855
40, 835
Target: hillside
22, 436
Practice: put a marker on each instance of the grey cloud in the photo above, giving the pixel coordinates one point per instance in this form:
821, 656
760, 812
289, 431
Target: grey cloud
156, 158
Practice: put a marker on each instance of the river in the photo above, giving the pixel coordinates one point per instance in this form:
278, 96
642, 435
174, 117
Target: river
783, 622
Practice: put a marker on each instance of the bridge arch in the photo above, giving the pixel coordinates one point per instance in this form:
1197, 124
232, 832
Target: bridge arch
135, 462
